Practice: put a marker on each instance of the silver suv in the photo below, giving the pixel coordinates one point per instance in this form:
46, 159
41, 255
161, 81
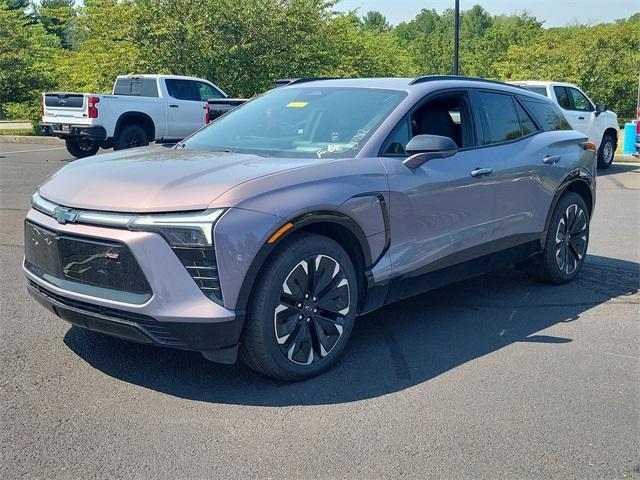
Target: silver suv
267, 232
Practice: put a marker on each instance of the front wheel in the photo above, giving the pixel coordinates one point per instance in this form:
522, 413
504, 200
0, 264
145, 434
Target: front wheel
302, 309
567, 240
81, 148
607, 151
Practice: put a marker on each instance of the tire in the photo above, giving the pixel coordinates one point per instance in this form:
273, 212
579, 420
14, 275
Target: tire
287, 336
563, 256
81, 148
131, 136
607, 150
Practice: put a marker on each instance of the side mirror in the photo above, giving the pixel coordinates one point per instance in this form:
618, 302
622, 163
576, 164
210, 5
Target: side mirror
423, 148
600, 107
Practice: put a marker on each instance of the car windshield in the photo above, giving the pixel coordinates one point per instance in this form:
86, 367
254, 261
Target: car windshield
323, 122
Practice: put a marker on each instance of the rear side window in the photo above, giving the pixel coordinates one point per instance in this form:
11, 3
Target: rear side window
181, 89
563, 97
526, 124
539, 90
136, 87
499, 117
547, 114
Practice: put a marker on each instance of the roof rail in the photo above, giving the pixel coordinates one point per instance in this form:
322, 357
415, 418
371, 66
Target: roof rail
282, 82
430, 78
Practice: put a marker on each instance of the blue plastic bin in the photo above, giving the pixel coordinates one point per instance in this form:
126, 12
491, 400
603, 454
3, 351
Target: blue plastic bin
629, 145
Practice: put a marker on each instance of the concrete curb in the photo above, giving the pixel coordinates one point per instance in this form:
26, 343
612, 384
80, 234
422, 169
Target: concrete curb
625, 159
37, 139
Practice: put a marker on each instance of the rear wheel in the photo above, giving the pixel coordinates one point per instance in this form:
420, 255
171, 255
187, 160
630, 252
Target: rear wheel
607, 151
567, 240
131, 136
302, 310
81, 148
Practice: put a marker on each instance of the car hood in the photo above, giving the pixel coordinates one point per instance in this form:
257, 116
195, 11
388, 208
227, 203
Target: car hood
158, 179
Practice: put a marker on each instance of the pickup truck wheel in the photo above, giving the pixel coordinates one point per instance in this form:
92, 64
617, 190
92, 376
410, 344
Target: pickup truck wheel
81, 148
302, 309
131, 136
606, 151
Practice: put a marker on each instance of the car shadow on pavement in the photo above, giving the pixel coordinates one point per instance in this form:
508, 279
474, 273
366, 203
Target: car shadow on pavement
617, 168
399, 346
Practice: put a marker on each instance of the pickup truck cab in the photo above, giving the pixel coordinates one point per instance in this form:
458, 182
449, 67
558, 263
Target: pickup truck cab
594, 120
141, 108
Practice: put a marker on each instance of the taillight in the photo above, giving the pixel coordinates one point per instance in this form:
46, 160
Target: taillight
589, 146
93, 110
206, 113
42, 106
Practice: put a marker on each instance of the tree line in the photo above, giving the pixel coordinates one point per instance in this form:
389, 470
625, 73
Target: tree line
243, 45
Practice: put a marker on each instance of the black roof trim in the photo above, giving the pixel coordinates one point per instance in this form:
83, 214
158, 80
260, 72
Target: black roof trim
431, 78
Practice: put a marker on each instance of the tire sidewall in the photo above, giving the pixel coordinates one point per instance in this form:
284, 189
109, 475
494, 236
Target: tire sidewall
549, 254
602, 163
73, 147
268, 290
122, 140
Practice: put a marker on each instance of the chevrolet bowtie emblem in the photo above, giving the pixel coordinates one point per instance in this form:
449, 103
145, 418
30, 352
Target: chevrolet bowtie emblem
63, 215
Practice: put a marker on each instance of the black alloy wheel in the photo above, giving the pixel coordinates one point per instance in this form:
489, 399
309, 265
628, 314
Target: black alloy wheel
312, 308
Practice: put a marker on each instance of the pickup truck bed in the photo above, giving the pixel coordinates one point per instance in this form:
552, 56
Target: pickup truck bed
142, 108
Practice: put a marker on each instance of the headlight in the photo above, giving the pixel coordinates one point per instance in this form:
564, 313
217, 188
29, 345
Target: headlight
180, 229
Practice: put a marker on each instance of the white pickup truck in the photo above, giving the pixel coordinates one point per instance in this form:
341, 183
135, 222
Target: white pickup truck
593, 120
142, 108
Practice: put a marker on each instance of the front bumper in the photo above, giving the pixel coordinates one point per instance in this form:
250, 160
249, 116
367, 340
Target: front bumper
177, 314
96, 134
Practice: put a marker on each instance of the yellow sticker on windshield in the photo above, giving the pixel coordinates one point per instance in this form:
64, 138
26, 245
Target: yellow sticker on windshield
297, 104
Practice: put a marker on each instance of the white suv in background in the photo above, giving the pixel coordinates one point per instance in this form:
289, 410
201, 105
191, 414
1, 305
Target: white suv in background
585, 116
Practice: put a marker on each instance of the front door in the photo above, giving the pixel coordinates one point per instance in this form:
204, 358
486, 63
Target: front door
441, 212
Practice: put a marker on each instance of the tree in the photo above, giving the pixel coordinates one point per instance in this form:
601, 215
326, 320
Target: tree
15, 4
25, 49
374, 20
602, 59
56, 16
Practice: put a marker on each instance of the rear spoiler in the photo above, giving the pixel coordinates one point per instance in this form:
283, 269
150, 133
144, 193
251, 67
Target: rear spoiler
220, 106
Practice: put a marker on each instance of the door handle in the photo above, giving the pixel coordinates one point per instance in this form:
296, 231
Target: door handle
479, 172
174, 106
580, 118
551, 159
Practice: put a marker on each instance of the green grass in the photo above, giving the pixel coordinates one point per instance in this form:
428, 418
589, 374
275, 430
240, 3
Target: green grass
16, 131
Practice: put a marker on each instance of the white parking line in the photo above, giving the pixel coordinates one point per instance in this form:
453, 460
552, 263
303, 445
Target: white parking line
32, 151
620, 355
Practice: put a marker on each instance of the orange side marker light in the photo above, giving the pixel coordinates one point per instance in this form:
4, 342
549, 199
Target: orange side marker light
281, 231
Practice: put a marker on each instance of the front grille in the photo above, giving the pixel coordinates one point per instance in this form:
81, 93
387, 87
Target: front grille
84, 264
201, 265
160, 333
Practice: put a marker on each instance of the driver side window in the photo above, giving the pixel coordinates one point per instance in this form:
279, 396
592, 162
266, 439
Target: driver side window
446, 115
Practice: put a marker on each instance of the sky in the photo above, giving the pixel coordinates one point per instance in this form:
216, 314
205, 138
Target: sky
555, 13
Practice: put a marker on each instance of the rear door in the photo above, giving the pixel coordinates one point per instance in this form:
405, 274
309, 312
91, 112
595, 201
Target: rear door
187, 105
528, 162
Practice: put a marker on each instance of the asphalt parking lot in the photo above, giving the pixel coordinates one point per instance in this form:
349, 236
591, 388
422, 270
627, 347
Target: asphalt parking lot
495, 377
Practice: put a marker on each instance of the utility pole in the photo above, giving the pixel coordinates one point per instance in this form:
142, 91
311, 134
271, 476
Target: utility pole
456, 38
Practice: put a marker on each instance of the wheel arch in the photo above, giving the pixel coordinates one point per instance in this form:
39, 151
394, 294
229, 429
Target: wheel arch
136, 118
577, 183
611, 131
334, 225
